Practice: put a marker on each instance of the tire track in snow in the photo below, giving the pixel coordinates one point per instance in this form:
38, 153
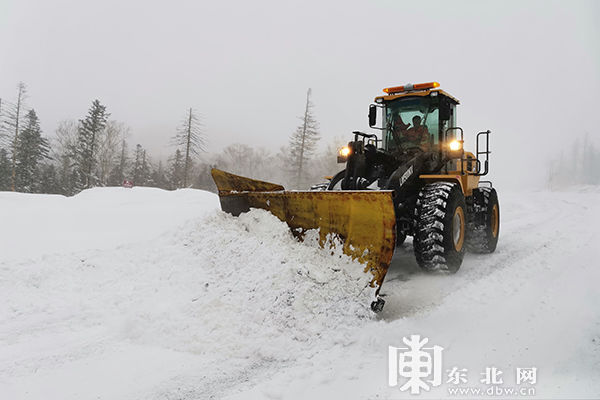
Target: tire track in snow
410, 290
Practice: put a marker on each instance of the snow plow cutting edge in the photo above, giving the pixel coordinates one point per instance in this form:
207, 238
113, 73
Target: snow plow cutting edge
364, 221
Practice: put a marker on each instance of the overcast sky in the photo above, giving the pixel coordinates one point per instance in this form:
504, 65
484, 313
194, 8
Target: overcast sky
527, 70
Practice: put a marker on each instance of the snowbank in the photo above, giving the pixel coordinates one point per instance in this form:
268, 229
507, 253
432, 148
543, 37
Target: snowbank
143, 293
36, 224
240, 294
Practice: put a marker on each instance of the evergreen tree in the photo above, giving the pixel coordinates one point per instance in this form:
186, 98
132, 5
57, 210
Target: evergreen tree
303, 141
5, 171
90, 129
190, 138
49, 180
66, 175
31, 148
176, 170
159, 177
141, 168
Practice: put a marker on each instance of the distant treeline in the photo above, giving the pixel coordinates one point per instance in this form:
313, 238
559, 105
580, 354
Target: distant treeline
577, 165
94, 151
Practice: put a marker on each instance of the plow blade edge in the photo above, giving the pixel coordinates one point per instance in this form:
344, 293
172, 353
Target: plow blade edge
364, 221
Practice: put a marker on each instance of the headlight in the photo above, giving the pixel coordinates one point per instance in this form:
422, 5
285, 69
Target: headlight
345, 151
343, 154
455, 145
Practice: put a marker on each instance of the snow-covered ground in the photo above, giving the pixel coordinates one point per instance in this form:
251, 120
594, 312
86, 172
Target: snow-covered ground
146, 294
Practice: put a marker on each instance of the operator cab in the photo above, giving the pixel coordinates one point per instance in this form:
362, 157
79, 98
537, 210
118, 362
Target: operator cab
415, 117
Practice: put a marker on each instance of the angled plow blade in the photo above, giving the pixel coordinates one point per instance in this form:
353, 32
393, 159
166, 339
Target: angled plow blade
363, 220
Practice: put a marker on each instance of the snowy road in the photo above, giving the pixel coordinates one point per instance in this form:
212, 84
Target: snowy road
148, 294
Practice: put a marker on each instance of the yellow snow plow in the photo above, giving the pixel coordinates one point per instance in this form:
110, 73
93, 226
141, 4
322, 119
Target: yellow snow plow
415, 179
364, 221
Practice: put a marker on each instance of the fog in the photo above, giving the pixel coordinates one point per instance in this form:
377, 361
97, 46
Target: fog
528, 71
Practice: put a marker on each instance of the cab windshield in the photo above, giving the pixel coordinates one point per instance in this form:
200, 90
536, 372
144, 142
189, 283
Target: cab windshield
412, 122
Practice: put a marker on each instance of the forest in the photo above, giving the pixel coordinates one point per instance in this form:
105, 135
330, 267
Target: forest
94, 151
577, 164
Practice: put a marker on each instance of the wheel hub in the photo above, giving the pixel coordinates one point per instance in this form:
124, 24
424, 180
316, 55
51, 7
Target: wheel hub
458, 228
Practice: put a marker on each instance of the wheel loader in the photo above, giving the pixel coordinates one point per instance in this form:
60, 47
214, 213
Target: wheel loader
414, 179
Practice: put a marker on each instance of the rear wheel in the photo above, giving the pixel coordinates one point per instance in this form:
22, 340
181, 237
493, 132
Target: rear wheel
440, 226
483, 226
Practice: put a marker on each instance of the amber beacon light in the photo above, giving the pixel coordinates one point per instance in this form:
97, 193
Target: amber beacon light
409, 86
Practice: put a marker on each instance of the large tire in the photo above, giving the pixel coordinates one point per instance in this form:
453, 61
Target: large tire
337, 178
483, 227
400, 238
440, 226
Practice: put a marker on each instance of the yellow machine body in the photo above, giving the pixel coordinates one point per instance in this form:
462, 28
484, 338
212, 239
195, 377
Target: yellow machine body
465, 177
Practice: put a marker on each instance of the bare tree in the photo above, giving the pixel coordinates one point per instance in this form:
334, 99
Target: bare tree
238, 159
190, 137
304, 140
118, 173
63, 152
109, 149
242, 159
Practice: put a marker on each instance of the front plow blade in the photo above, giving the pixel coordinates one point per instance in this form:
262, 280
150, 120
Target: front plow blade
363, 220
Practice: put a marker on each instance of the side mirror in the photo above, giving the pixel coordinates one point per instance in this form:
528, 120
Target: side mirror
445, 110
372, 115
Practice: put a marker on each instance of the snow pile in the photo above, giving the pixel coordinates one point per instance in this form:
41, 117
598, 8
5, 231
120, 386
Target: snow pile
245, 288
240, 294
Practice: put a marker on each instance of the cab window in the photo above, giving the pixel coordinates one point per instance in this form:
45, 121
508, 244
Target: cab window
412, 122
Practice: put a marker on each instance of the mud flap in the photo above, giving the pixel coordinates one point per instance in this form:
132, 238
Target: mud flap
363, 220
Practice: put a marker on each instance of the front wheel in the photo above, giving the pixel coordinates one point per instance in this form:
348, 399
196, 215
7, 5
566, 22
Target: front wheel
440, 226
335, 182
400, 237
